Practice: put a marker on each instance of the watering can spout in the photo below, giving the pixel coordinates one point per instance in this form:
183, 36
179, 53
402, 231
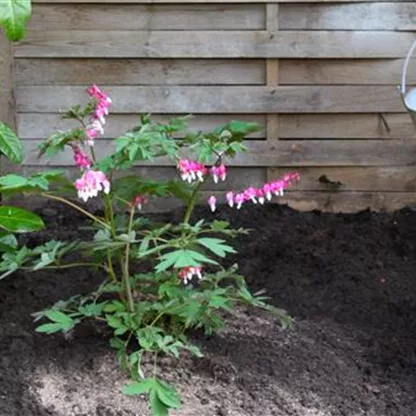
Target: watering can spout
408, 97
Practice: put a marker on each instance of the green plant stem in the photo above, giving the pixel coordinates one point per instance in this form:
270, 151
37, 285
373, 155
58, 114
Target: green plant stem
192, 202
109, 212
77, 207
126, 265
69, 266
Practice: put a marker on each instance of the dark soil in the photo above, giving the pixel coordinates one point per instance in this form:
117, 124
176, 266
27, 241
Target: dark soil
348, 280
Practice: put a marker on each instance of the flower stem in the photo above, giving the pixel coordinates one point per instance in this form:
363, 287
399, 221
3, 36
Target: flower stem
77, 207
192, 202
126, 271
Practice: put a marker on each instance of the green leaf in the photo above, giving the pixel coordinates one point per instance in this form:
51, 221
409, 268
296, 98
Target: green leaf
13, 17
192, 258
136, 388
59, 317
217, 246
167, 394
61, 322
10, 144
168, 260
18, 220
219, 225
8, 240
157, 406
49, 328
195, 350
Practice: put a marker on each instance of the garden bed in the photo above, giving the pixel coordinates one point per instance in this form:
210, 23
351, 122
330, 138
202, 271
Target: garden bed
348, 280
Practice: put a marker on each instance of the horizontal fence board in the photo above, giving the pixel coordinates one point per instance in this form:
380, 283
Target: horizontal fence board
35, 126
139, 72
354, 16
348, 202
299, 99
209, 1
346, 126
385, 178
147, 17
280, 153
344, 71
213, 44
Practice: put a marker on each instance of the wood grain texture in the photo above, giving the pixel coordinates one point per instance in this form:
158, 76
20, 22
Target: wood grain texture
356, 178
220, 100
348, 16
37, 126
345, 71
346, 126
114, 16
207, 1
281, 153
140, 71
213, 44
272, 70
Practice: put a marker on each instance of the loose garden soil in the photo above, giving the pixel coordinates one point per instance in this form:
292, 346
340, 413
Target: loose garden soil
348, 280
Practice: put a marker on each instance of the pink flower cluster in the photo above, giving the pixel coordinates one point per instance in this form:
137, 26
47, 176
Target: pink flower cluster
100, 112
81, 159
139, 201
187, 273
257, 195
191, 171
218, 172
90, 183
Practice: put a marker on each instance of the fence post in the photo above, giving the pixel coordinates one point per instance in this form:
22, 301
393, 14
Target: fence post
272, 74
7, 99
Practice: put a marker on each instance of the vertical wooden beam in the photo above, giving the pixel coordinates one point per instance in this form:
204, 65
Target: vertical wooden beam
272, 73
7, 107
7, 101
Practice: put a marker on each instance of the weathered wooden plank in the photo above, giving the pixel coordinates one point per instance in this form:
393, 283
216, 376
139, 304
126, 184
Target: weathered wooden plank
346, 126
283, 153
148, 17
299, 99
344, 71
35, 126
213, 44
139, 72
208, 1
327, 178
348, 202
357, 16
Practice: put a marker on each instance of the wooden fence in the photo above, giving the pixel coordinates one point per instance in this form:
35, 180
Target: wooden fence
320, 75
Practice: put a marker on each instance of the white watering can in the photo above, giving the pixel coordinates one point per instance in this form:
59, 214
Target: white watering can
408, 97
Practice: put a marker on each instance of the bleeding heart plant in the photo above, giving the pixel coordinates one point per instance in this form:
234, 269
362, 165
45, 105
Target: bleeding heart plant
160, 280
